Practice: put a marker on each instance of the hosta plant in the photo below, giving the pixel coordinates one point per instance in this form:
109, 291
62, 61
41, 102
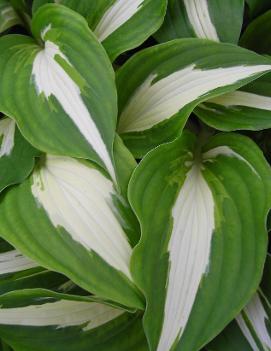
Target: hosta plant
135, 183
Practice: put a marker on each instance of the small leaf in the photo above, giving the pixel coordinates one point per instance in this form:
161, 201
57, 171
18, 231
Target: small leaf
248, 108
16, 154
203, 19
17, 272
255, 324
8, 16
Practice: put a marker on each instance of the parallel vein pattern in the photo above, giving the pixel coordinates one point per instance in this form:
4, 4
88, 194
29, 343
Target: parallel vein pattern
189, 253
78, 198
61, 314
51, 79
255, 313
156, 101
199, 17
117, 14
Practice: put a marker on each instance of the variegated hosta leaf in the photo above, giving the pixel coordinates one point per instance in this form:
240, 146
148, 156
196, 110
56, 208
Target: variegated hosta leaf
251, 331
13, 261
259, 28
170, 79
8, 16
248, 108
254, 322
16, 154
52, 325
217, 20
202, 214
119, 24
66, 218
54, 91
18, 272
187, 18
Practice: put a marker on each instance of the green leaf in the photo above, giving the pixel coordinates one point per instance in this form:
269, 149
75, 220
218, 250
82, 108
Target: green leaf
50, 324
254, 322
231, 339
17, 156
248, 108
8, 16
256, 7
259, 28
18, 272
252, 331
4, 346
203, 19
160, 86
65, 218
202, 210
125, 165
120, 25
54, 91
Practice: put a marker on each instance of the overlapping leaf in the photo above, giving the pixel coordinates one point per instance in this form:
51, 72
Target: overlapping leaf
51, 324
231, 339
160, 86
254, 323
66, 218
47, 89
119, 24
248, 108
236, 110
18, 272
202, 211
16, 154
251, 330
202, 19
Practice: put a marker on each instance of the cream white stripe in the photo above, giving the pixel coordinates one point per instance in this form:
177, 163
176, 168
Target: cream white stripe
79, 198
61, 313
154, 102
13, 261
7, 133
242, 98
51, 79
199, 17
119, 13
189, 251
256, 314
226, 151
